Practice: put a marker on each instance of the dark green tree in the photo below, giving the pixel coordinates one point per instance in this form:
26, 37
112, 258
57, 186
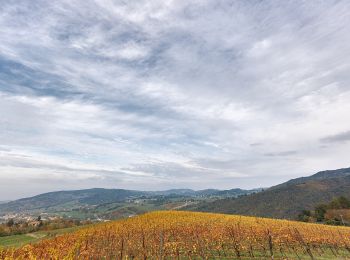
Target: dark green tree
304, 216
10, 222
320, 212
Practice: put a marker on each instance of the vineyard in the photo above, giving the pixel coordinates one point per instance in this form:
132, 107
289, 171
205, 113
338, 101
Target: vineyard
188, 235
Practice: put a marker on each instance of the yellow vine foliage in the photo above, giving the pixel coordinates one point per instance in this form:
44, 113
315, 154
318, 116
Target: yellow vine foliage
192, 235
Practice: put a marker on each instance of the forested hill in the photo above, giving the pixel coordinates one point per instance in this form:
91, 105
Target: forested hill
286, 200
68, 200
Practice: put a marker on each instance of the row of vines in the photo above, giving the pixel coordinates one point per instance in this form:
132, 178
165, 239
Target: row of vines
189, 235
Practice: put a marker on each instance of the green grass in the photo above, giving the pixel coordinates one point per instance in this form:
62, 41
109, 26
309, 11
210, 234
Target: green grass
20, 240
16, 240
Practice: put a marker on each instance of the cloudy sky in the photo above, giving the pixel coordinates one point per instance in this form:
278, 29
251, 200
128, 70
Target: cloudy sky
165, 94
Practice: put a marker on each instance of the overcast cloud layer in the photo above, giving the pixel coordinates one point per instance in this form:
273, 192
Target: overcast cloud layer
164, 94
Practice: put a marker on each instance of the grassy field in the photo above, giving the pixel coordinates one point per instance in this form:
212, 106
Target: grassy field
23, 239
16, 240
191, 235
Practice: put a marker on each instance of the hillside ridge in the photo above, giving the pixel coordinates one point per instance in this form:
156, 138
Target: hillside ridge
288, 199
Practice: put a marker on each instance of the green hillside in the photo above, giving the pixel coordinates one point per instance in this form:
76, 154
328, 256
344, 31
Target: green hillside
110, 203
286, 200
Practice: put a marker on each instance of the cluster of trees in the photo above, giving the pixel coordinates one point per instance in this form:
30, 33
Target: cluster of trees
13, 227
319, 214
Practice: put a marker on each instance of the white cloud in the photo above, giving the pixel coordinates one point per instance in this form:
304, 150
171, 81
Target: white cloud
179, 87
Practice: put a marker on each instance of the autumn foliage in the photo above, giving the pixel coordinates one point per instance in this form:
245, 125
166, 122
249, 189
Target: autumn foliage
189, 235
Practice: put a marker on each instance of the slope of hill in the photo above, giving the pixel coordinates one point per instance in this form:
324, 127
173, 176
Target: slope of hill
287, 199
69, 198
328, 174
100, 203
189, 235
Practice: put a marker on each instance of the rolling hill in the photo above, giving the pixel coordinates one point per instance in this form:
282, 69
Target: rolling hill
104, 200
285, 200
69, 198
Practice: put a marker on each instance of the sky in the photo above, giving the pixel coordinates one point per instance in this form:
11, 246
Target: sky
153, 95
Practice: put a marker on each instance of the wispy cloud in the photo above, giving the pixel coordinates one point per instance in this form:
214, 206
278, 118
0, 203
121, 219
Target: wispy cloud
337, 138
284, 153
183, 93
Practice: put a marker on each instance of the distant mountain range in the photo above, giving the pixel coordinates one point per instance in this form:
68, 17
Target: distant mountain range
91, 198
285, 200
